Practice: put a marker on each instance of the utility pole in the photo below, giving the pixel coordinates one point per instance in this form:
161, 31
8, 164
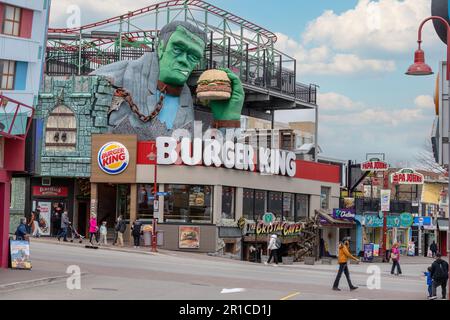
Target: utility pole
385, 214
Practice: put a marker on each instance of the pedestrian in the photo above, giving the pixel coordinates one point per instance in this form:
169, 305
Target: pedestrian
395, 256
34, 224
274, 245
21, 231
434, 249
120, 229
65, 222
343, 256
136, 232
429, 282
439, 274
103, 233
93, 229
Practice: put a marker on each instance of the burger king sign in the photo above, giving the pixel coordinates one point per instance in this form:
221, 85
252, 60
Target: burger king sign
113, 158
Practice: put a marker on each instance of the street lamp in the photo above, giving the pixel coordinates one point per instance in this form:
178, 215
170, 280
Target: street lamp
420, 68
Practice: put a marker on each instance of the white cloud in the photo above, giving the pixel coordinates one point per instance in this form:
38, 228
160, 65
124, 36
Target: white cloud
387, 25
322, 61
424, 102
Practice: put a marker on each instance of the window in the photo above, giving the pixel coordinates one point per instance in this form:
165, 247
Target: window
228, 196
248, 203
301, 207
145, 201
61, 130
254, 204
325, 197
188, 204
11, 22
288, 207
123, 200
8, 71
275, 203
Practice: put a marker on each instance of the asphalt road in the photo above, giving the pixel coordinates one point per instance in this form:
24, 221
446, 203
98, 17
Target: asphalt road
177, 276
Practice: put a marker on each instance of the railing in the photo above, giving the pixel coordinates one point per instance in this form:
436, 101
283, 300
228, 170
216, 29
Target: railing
373, 205
253, 70
15, 118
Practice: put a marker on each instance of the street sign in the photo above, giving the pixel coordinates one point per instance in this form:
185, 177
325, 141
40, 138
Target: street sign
163, 194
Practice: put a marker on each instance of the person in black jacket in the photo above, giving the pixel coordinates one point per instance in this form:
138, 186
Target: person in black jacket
439, 274
433, 248
136, 232
120, 228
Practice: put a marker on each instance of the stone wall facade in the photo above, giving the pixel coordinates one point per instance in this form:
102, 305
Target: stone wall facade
89, 98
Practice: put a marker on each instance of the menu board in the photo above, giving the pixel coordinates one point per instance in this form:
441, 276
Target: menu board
20, 254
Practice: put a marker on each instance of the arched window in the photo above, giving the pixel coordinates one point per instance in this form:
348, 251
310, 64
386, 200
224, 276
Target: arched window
61, 130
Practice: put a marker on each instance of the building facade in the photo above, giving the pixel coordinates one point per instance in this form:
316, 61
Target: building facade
23, 29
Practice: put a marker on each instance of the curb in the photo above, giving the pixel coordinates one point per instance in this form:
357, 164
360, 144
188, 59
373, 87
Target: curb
34, 283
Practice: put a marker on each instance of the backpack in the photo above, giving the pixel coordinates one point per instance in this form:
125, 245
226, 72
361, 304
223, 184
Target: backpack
440, 272
278, 243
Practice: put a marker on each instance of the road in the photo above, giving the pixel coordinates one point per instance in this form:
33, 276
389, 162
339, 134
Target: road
110, 274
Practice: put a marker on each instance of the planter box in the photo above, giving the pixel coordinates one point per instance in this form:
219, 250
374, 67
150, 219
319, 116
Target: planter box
288, 260
327, 261
310, 260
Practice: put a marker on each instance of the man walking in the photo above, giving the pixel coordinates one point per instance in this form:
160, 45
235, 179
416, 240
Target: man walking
433, 248
64, 225
439, 274
120, 230
344, 255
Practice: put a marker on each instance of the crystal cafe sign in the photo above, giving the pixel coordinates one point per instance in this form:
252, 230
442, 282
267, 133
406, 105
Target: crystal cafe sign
210, 152
374, 164
407, 176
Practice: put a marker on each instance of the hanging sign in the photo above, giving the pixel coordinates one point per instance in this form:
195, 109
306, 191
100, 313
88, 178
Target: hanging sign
375, 165
407, 176
385, 200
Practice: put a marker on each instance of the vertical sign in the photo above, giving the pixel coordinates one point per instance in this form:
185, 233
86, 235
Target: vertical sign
385, 200
44, 219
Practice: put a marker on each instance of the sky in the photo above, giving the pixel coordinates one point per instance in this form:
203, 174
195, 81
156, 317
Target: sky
357, 51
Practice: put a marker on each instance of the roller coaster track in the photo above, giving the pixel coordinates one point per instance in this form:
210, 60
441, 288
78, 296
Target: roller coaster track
268, 37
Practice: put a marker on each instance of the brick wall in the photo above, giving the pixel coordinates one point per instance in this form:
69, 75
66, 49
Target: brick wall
89, 98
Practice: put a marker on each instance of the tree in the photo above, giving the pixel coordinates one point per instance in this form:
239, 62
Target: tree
425, 160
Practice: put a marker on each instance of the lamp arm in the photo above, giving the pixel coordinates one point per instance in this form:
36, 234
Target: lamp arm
447, 25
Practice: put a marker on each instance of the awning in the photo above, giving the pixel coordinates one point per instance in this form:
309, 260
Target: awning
442, 224
328, 221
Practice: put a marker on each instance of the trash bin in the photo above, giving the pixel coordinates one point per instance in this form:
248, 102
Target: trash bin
147, 238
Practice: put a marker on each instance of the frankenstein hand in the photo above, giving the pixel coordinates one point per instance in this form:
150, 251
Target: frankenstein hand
230, 110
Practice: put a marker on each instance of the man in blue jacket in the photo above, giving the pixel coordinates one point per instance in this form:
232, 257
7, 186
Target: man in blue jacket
21, 231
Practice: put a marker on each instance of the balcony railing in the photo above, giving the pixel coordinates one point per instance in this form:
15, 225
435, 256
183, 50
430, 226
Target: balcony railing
15, 118
373, 205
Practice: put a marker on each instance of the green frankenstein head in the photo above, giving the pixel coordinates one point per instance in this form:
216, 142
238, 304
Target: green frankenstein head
180, 49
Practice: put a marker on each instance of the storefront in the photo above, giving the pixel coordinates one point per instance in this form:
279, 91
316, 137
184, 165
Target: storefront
398, 230
198, 206
423, 234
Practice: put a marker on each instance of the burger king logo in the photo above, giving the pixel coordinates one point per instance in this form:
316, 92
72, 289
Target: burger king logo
113, 158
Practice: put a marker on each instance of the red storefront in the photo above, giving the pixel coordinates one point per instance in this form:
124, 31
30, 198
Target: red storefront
14, 124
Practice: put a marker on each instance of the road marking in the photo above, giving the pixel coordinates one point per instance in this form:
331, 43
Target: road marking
290, 296
234, 290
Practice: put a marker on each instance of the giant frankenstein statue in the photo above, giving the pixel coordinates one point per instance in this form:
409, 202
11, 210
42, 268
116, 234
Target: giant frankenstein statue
151, 97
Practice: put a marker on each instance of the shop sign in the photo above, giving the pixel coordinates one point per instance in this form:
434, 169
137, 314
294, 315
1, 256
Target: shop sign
385, 200
210, 152
407, 176
406, 220
268, 217
344, 214
375, 165
286, 229
113, 158
422, 221
41, 191
403, 221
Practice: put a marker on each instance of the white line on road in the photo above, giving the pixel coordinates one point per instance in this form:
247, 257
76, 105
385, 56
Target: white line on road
234, 290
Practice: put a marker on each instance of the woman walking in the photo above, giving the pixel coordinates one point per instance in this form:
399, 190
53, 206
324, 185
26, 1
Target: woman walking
343, 256
93, 229
395, 256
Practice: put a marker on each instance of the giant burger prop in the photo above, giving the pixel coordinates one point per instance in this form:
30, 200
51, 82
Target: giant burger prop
214, 85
